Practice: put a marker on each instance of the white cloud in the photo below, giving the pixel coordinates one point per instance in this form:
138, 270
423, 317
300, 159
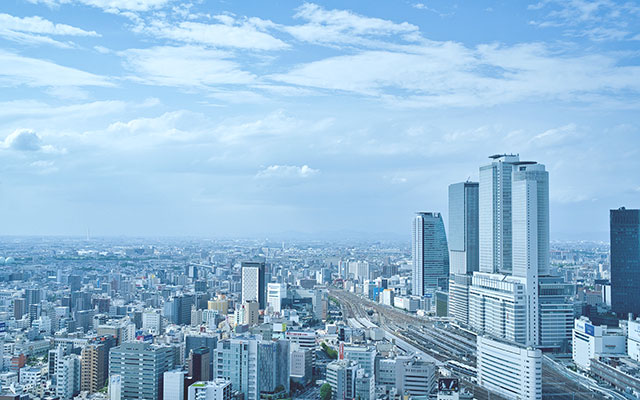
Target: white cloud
286, 171
450, 74
184, 66
231, 33
40, 25
19, 70
110, 5
37, 30
343, 27
598, 20
27, 140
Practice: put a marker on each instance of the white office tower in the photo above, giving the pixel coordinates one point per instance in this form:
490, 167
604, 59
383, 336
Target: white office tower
494, 203
359, 270
414, 377
173, 385
463, 247
68, 377
152, 321
236, 360
430, 254
509, 369
497, 306
275, 293
218, 389
253, 282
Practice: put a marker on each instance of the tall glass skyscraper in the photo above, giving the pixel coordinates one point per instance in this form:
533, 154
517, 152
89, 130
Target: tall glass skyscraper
625, 261
430, 253
463, 247
495, 214
463, 227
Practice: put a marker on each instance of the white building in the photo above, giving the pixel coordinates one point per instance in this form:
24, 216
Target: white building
414, 376
275, 293
219, 389
512, 370
386, 297
633, 339
236, 360
173, 385
115, 387
152, 321
68, 377
497, 306
590, 341
365, 357
253, 282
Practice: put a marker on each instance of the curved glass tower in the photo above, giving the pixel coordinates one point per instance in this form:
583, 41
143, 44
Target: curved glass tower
430, 253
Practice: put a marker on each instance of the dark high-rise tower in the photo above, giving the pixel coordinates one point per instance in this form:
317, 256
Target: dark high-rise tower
200, 364
625, 261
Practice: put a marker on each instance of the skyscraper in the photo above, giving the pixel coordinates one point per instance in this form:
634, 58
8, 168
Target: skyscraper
463, 246
253, 283
625, 261
494, 201
430, 253
463, 228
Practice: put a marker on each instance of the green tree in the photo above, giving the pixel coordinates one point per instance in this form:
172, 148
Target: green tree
325, 392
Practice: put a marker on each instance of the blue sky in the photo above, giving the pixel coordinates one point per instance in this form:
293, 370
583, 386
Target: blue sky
245, 118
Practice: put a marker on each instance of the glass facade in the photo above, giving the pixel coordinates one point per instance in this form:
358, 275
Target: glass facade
625, 261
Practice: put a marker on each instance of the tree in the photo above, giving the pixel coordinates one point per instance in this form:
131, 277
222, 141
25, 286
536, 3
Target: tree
325, 392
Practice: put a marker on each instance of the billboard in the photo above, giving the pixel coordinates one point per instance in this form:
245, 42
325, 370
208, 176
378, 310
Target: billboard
589, 329
448, 385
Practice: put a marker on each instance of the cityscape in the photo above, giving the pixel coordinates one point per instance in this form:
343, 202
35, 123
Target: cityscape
488, 308
327, 200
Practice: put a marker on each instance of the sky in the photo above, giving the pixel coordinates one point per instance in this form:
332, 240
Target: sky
257, 118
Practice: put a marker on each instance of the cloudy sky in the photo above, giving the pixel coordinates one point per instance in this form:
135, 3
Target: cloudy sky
247, 118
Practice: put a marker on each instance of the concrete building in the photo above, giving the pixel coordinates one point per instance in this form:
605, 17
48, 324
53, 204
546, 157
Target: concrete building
341, 375
276, 292
141, 367
414, 377
592, 342
633, 339
95, 363
236, 360
509, 369
218, 389
173, 384
253, 283
365, 357
497, 306
68, 377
